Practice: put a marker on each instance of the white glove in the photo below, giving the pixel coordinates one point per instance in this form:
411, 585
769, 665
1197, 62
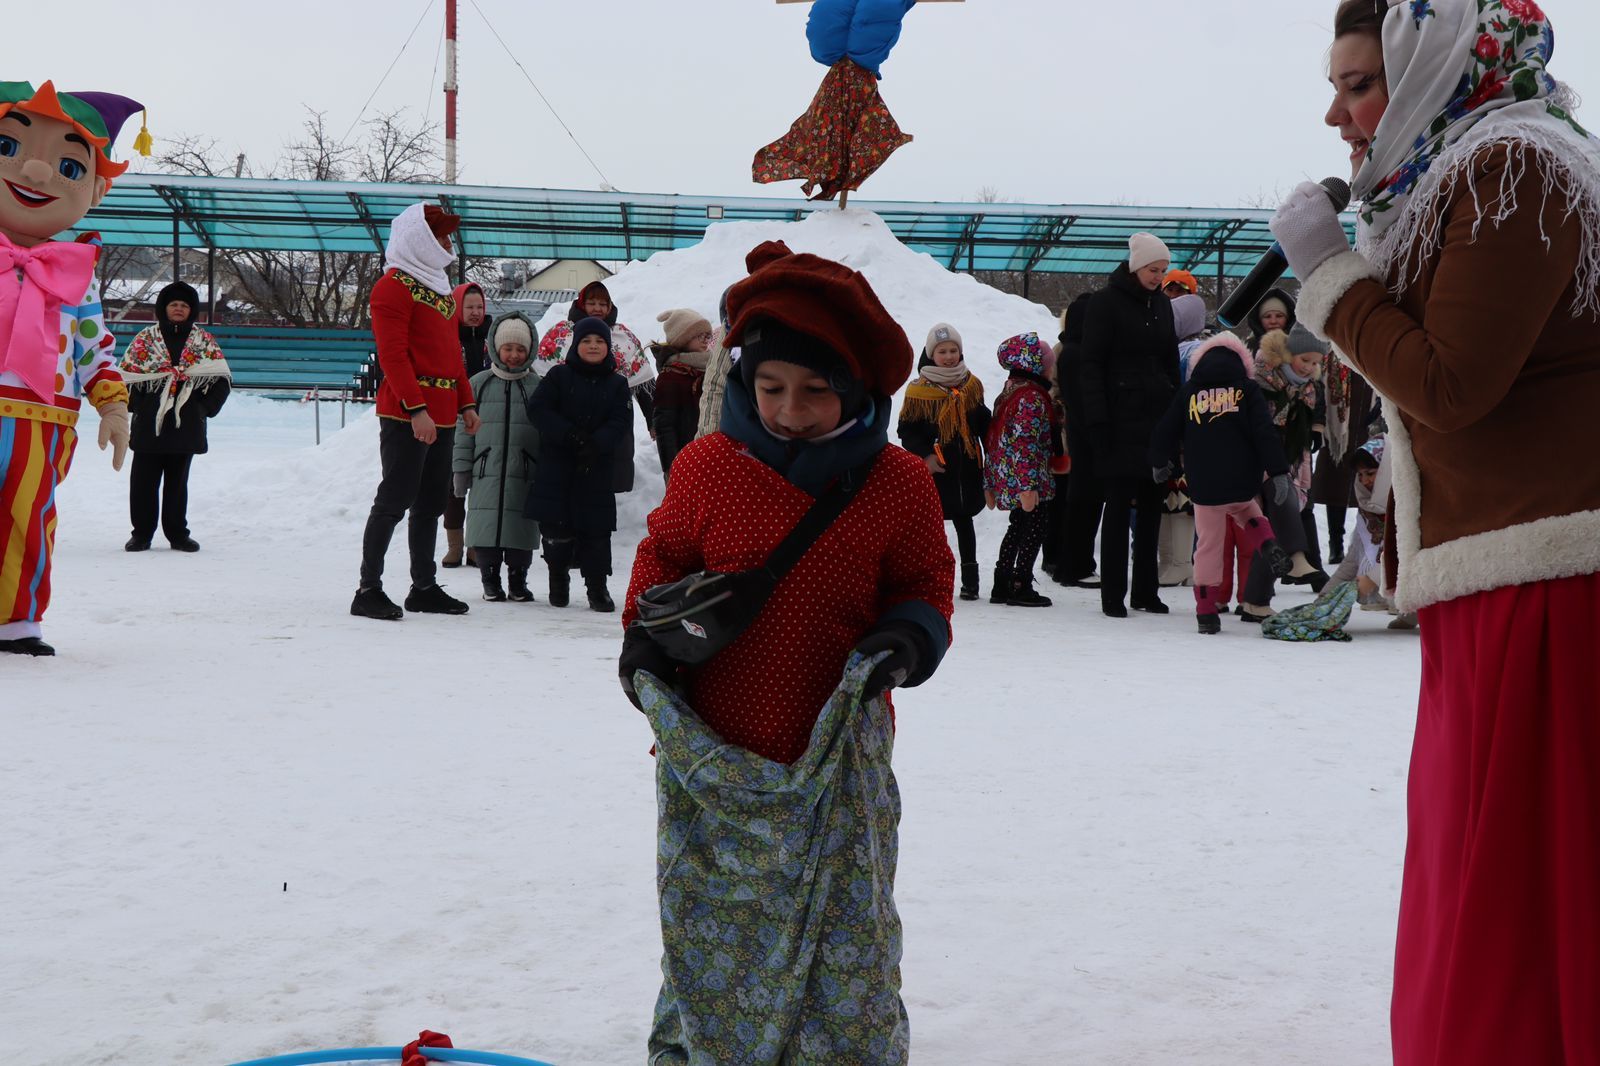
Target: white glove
114, 431
1308, 229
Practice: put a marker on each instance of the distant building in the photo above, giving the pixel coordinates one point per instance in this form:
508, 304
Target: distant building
565, 274
556, 285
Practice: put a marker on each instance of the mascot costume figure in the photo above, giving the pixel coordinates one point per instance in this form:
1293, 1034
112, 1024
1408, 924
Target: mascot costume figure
55, 352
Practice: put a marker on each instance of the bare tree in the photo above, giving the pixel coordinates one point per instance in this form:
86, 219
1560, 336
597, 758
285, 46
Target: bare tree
315, 288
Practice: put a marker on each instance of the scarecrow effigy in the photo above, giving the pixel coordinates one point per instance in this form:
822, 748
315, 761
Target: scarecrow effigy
847, 133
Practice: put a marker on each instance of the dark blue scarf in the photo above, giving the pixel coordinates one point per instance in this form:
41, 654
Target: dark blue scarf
810, 467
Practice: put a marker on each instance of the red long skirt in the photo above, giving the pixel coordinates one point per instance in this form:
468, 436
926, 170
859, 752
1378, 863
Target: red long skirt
1498, 956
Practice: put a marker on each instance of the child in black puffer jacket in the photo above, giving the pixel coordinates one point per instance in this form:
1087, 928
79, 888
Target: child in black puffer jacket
582, 413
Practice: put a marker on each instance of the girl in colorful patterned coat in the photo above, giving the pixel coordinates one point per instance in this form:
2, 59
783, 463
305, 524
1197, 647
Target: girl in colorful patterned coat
1022, 448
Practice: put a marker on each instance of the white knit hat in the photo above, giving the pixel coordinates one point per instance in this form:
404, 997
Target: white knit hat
1146, 248
681, 325
512, 331
940, 333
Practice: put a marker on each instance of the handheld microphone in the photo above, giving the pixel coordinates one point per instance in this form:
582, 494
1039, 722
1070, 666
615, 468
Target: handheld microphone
1254, 287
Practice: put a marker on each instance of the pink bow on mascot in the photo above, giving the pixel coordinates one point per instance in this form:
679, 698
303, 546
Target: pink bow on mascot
54, 348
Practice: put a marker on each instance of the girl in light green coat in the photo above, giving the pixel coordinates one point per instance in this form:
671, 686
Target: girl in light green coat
495, 467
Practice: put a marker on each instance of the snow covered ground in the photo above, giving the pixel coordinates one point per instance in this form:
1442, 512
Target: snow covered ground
1122, 842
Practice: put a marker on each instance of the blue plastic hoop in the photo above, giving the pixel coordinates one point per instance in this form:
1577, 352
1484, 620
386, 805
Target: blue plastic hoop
378, 1054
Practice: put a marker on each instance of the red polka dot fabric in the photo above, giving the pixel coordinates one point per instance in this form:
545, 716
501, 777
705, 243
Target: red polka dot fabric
725, 510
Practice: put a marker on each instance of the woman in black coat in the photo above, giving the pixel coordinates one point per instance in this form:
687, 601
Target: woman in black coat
177, 382
583, 414
1128, 376
1086, 497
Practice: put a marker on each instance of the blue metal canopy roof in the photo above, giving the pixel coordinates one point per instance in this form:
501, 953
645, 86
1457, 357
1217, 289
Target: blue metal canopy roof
159, 210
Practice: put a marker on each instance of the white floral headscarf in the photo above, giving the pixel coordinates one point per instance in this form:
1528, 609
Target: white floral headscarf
1463, 74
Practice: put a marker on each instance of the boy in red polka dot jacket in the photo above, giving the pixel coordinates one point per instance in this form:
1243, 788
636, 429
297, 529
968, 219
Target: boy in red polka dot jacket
807, 402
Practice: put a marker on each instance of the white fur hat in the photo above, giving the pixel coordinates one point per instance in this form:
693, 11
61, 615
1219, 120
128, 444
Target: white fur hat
1146, 248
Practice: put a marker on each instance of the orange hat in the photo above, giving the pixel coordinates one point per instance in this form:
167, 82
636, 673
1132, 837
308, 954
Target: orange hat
1182, 277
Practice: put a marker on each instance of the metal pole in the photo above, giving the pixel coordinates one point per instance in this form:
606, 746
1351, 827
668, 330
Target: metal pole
1222, 270
316, 408
1026, 276
450, 92
211, 286
175, 245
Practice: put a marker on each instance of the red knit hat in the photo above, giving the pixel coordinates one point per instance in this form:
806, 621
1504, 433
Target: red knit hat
440, 222
827, 301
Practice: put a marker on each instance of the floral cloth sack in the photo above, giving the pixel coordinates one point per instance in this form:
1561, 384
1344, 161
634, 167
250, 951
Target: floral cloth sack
776, 883
843, 138
148, 365
1321, 619
1464, 75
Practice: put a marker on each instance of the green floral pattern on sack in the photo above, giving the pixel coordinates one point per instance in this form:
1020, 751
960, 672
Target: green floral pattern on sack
776, 884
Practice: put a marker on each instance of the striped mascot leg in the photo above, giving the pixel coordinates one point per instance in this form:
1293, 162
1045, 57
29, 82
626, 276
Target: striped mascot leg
34, 457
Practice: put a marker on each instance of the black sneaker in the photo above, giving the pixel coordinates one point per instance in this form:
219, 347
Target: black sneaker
185, 544
433, 600
26, 646
372, 603
1113, 610
137, 544
1209, 624
1153, 605
517, 585
492, 591
1026, 596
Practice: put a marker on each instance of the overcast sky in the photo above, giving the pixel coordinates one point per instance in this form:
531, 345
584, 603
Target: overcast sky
1161, 102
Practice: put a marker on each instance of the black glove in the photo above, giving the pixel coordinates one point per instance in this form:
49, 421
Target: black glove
1161, 474
639, 652
903, 642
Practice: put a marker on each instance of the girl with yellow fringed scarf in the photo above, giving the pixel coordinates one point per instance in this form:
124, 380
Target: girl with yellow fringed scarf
944, 420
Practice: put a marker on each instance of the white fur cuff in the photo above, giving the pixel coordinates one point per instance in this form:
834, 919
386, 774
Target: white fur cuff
1326, 286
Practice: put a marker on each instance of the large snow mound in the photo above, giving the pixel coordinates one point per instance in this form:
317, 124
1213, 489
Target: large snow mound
917, 290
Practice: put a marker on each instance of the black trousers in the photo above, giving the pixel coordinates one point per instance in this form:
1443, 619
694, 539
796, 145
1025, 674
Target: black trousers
1086, 500
416, 478
1336, 520
489, 559
147, 497
1308, 523
966, 540
1055, 540
1290, 533
1144, 499
565, 548
1020, 546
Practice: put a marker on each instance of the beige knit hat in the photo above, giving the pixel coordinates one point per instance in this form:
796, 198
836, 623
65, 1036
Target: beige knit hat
1146, 248
941, 333
512, 331
681, 325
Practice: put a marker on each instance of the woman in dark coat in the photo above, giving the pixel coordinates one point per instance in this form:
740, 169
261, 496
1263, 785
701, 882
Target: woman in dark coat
1086, 497
1128, 376
943, 421
177, 381
582, 413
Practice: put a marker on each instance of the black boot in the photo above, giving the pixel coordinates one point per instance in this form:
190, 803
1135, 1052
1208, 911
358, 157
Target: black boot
185, 543
1023, 594
517, 580
560, 586
969, 581
137, 543
492, 591
1148, 604
1209, 624
1001, 592
26, 646
433, 600
373, 603
599, 595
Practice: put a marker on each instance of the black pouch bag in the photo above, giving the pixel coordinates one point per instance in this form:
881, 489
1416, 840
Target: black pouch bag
694, 618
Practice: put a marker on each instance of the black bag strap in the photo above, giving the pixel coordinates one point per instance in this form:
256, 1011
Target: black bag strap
829, 506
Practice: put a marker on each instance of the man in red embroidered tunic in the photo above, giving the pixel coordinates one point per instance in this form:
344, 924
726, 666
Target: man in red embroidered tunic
425, 387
